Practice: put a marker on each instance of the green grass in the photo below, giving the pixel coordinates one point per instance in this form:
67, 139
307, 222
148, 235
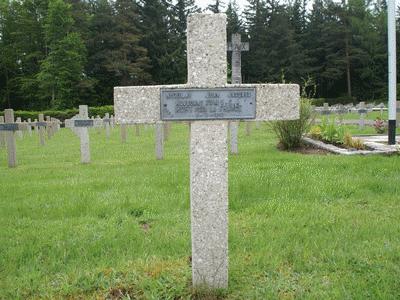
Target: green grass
307, 227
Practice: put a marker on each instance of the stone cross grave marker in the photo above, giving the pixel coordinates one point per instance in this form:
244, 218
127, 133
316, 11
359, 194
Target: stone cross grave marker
29, 127
80, 125
107, 122
2, 134
10, 128
19, 132
42, 126
236, 46
208, 103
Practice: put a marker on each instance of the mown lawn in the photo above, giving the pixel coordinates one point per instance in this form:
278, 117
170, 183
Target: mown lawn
306, 227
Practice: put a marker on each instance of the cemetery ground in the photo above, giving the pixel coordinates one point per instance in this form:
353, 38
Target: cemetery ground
300, 226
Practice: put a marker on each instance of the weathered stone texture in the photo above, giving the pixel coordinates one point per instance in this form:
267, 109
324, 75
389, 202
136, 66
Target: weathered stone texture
209, 203
206, 50
141, 104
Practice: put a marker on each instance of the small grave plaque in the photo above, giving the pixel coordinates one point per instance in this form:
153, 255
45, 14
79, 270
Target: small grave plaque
207, 104
83, 123
8, 127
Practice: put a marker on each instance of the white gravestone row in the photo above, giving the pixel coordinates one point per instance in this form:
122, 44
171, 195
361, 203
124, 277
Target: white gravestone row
208, 103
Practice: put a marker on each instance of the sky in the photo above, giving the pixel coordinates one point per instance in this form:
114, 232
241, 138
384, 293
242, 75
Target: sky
203, 3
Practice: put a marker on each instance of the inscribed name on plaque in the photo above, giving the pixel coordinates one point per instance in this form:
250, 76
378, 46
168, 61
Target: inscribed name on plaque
208, 104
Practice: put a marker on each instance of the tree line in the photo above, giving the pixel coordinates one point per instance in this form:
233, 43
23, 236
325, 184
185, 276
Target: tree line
57, 54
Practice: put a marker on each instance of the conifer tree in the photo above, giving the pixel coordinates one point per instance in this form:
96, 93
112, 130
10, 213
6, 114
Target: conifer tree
127, 59
62, 70
217, 7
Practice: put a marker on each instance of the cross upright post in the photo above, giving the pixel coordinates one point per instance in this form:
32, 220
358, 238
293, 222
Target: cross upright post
2, 134
208, 103
10, 128
237, 46
42, 127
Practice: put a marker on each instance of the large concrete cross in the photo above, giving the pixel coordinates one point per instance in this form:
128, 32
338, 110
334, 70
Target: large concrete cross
208, 102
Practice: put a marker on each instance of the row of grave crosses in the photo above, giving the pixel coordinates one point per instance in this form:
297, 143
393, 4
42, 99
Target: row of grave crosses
362, 109
79, 124
8, 128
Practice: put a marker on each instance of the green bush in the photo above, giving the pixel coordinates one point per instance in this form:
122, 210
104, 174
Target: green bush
331, 132
290, 132
318, 102
333, 101
62, 115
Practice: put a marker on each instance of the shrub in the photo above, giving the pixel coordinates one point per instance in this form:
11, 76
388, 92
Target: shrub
380, 126
331, 132
290, 132
349, 143
62, 115
316, 133
318, 101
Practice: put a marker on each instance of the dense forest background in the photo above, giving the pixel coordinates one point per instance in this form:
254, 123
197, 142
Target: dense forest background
58, 54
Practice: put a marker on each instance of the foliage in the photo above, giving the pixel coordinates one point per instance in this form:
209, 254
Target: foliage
290, 132
330, 131
127, 59
61, 71
57, 54
315, 132
381, 126
62, 115
350, 143
318, 101
335, 133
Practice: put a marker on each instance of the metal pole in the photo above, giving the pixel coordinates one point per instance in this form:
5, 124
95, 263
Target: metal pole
392, 70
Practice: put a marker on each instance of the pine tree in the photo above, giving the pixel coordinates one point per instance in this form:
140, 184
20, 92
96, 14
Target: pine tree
99, 48
217, 7
127, 59
271, 41
177, 39
62, 70
155, 23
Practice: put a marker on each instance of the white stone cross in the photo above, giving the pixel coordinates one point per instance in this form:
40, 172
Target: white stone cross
107, 122
10, 128
207, 71
237, 46
80, 125
2, 134
42, 125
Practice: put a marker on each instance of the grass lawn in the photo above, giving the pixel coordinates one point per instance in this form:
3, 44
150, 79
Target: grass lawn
305, 227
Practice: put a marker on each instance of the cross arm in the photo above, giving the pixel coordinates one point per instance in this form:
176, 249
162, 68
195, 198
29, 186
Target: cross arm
141, 104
